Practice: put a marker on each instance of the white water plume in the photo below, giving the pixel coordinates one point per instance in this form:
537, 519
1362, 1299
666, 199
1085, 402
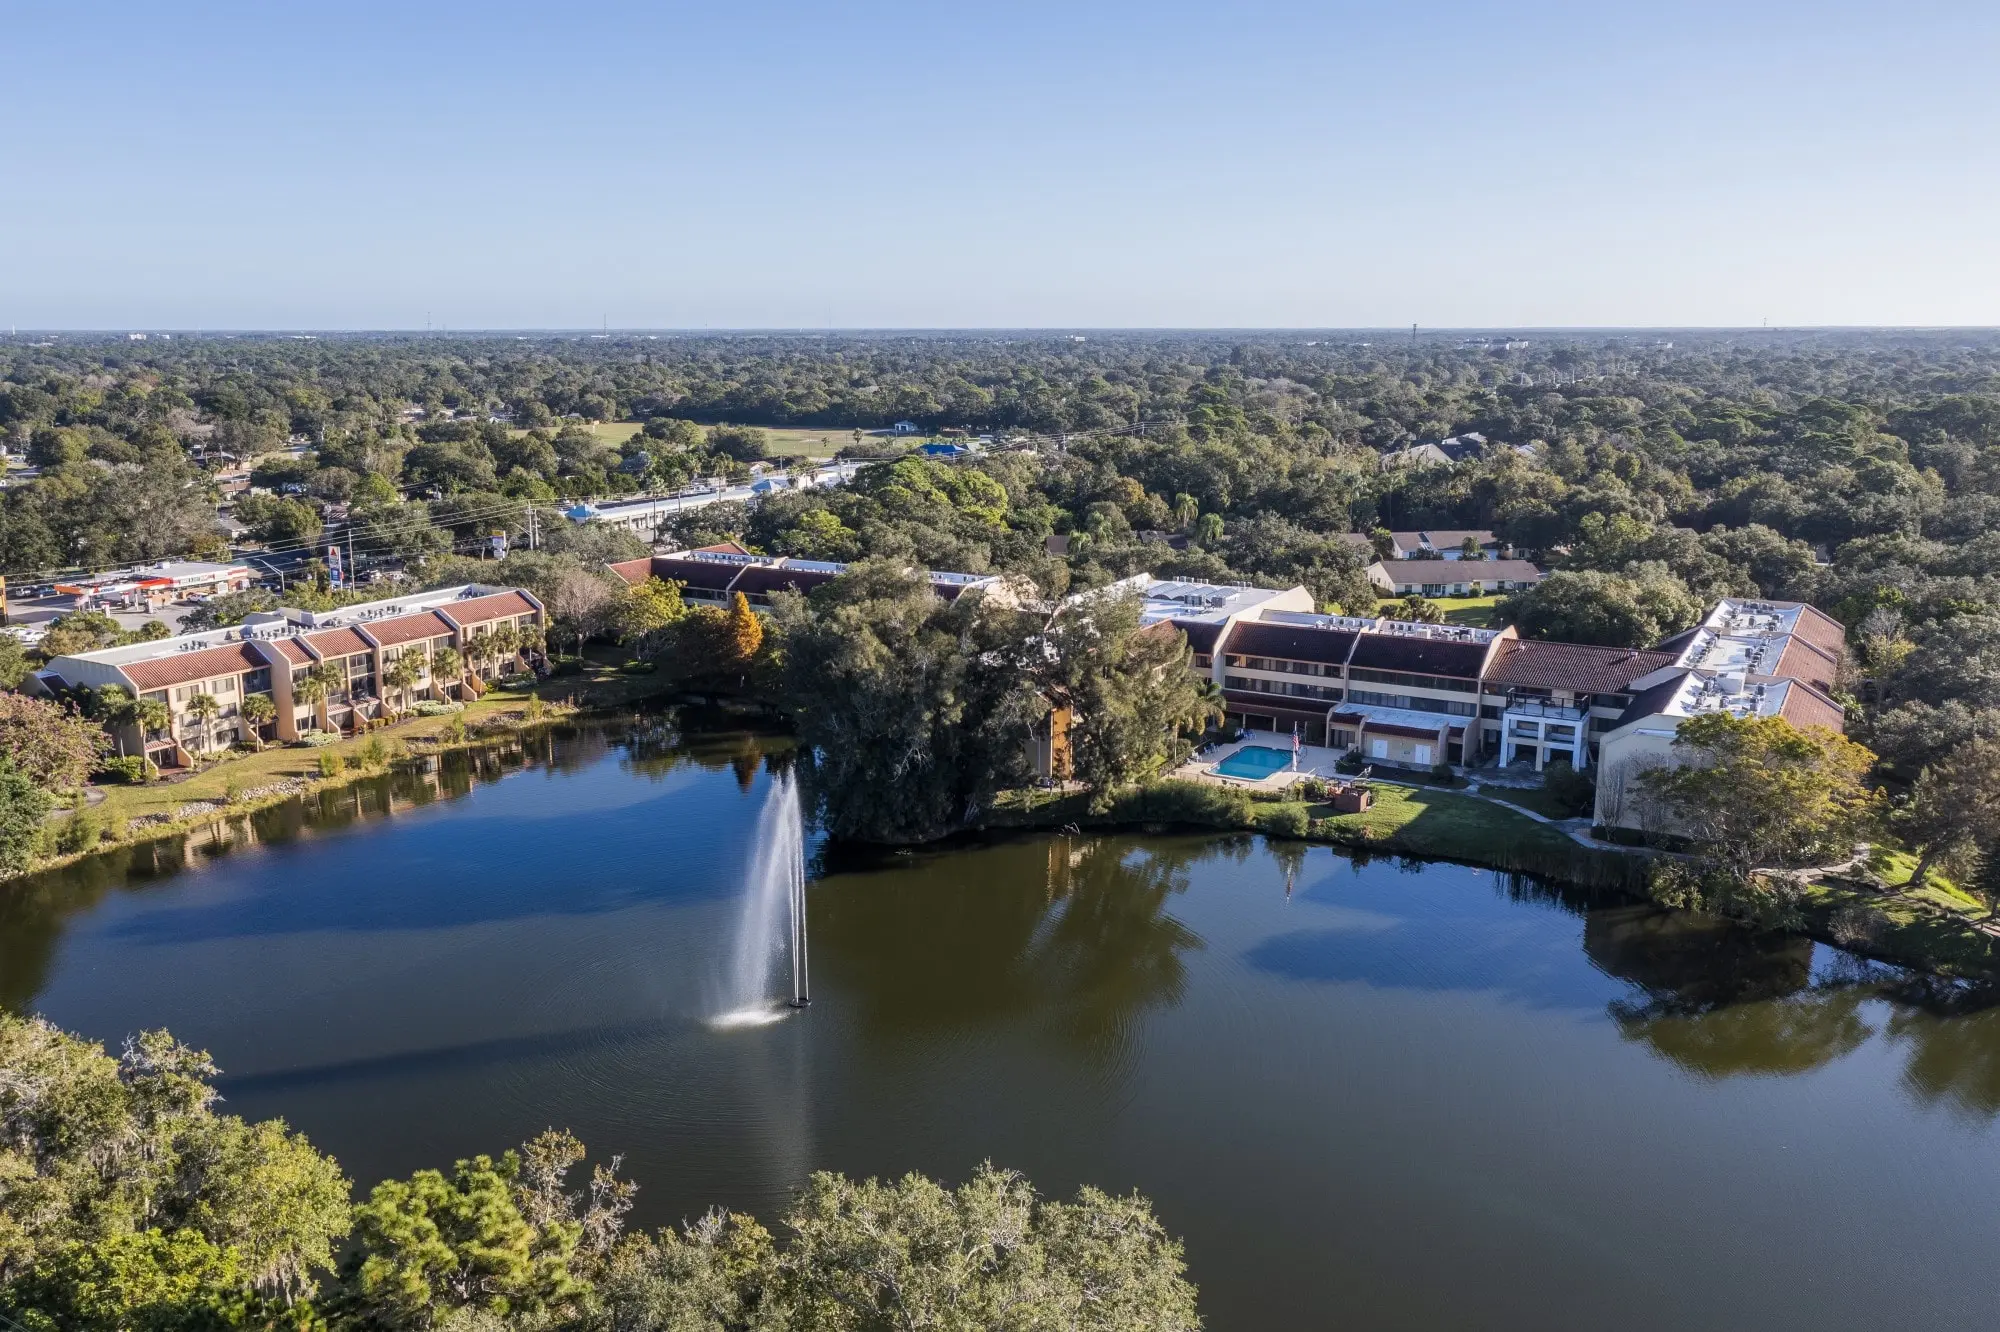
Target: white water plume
770, 927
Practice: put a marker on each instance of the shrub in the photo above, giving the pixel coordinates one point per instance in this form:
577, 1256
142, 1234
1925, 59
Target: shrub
1858, 927
233, 792
1573, 790
435, 707
536, 707
1442, 775
454, 730
374, 754
131, 770
1183, 802
318, 739
1286, 821
80, 832
1350, 762
331, 765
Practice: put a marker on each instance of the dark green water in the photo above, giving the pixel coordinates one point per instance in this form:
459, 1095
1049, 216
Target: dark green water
1373, 1095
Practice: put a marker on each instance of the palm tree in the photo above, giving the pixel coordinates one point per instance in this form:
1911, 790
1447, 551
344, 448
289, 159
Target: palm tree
313, 685
202, 707
152, 717
447, 666
259, 711
403, 674
503, 644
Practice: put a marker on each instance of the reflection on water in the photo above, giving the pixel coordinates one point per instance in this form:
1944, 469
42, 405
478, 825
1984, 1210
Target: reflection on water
1079, 945
1328, 1070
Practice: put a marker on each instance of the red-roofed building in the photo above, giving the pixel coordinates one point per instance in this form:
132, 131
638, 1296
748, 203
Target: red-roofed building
350, 650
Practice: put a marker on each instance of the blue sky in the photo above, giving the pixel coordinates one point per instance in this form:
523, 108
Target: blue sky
358, 165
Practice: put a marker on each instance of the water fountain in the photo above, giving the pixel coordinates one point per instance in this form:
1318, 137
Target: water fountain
773, 917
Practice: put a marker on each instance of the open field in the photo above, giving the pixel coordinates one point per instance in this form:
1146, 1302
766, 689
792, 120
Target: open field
613, 433
1473, 612
785, 441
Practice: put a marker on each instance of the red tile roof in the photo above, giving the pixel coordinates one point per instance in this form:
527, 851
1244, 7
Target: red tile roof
478, 610
636, 571
1577, 667
700, 575
1201, 635
292, 652
337, 643
1464, 658
409, 628
1804, 706
1292, 642
1805, 660
182, 667
1821, 630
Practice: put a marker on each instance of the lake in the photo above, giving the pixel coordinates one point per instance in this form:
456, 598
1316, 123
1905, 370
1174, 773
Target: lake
1368, 1093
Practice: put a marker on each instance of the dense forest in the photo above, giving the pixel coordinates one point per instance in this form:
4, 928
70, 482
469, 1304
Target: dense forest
129, 1204
1859, 470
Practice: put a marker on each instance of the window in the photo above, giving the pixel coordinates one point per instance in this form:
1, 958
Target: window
225, 686
1412, 703
1449, 684
1204, 660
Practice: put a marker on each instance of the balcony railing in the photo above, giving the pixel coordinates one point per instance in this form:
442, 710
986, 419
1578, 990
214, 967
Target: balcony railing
1542, 707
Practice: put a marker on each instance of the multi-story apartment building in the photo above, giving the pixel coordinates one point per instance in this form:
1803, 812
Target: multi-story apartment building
1418, 695
1746, 659
270, 653
1401, 693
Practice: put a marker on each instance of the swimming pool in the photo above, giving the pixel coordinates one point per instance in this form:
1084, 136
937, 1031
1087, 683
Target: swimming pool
1255, 762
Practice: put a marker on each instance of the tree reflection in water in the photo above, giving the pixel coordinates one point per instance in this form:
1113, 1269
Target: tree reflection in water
1951, 1037
1723, 1001
1070, 934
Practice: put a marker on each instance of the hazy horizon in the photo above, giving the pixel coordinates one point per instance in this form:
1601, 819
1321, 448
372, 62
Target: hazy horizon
894, 166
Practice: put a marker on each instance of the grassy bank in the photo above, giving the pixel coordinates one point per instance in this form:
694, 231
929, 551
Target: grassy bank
1434, 824
172, 806
1932, 929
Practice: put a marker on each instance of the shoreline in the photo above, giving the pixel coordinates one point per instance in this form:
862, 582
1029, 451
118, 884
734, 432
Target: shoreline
1426, 822
1451, 826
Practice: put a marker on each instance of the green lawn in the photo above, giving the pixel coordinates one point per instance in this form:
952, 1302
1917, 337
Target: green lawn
1472, 612
1534, 798
613, 433
785, 442
1439, 823
1416, 821
600, 685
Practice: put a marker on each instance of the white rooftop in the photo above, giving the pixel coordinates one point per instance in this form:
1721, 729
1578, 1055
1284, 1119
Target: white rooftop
1731, 693
288, 622
1743, 637
389, 607
1435, 633
1171, 599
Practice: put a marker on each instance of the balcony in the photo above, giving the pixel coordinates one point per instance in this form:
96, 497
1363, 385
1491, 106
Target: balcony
1542, 708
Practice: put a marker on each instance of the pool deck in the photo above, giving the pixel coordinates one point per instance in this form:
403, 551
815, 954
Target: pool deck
1314, 761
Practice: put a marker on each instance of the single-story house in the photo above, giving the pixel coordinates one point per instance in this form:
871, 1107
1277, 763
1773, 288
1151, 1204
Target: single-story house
1452, 578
